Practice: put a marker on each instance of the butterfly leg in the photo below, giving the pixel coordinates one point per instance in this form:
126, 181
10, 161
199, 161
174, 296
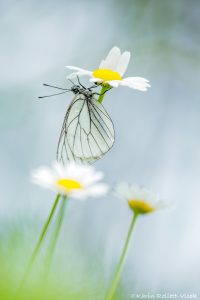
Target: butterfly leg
81, 83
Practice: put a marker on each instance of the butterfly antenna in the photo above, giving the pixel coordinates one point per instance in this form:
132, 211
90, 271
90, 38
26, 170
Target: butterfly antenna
56, 87
53, 94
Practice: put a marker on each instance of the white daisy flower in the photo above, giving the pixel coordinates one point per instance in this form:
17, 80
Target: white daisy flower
141, 200
73, 180
111, 71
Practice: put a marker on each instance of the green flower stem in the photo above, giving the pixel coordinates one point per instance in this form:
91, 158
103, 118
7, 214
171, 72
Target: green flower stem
104, 89
121, 261
40, 241
56, 233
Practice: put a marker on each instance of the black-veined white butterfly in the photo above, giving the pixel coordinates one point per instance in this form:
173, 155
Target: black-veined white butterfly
87, 132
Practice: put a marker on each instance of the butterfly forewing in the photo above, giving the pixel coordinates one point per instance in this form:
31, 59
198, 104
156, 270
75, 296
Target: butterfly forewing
87, 132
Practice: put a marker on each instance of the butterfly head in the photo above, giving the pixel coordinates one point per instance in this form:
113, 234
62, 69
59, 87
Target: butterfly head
76, 89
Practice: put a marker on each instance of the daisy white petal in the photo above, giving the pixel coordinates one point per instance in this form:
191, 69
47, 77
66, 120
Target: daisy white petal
94, 178
114, 83
43, 177
79, 72
123, 63
137, 83
73, 180
138, 80
58, 169
122, 190
112, 59
74, 68
74, 75
95, 80
85, 72
102, 64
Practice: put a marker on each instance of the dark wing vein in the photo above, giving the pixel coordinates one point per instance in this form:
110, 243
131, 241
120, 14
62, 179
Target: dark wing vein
87, 132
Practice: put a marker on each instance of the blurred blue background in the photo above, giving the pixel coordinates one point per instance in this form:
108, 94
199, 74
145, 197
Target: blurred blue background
157, 132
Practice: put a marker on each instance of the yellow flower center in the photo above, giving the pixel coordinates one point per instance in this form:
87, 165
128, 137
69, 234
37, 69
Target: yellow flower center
106, 74
68, 184
140, 206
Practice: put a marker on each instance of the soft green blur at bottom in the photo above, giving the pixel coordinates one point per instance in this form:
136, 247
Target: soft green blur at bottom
72, 275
